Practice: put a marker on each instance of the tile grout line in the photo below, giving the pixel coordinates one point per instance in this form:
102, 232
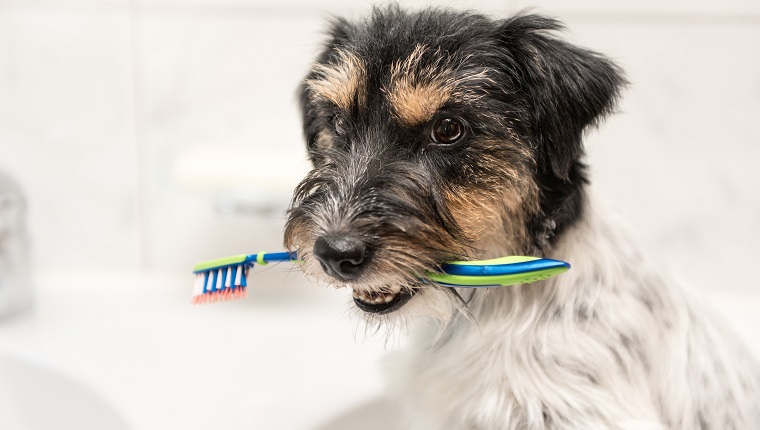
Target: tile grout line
143, 233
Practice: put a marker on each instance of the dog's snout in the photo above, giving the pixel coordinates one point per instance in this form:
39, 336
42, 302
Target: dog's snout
341, 257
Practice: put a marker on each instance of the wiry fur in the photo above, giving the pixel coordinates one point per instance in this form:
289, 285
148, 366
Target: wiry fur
612, 343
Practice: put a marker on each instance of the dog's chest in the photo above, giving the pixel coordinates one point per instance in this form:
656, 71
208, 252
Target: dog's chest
528, 372
477, 379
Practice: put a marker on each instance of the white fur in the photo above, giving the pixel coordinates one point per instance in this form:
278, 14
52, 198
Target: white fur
611, 344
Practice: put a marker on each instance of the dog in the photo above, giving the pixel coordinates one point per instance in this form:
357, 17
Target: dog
439, 135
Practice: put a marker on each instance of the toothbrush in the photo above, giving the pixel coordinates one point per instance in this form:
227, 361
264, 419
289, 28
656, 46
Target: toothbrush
225, 278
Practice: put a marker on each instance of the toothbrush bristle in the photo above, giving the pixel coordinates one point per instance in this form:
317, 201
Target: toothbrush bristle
220, 284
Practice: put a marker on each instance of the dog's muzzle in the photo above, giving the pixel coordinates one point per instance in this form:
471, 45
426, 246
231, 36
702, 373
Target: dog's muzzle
345, 258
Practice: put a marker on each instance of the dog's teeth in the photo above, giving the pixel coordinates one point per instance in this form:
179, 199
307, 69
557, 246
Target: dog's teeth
377, 297
361, 295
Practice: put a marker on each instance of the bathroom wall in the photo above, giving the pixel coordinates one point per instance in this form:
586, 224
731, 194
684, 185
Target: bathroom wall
151, 134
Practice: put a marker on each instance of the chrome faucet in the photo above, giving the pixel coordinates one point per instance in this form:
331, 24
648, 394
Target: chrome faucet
15, 280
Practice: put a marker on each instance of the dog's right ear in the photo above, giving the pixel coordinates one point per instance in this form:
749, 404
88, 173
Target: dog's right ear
338, 34
566, 88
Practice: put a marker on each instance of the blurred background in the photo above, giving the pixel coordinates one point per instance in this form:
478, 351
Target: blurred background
148, 135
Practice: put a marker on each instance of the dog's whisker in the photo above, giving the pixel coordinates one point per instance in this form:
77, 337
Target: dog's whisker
462, 306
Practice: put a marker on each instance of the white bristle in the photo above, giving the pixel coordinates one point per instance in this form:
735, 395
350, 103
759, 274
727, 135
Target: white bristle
239, 276
219, 278
228, 280
198, 286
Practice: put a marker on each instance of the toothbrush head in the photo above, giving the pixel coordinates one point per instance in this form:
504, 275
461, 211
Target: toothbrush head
225, 278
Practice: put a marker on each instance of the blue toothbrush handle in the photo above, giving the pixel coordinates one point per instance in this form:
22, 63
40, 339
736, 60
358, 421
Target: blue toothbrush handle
502, 269
268, 257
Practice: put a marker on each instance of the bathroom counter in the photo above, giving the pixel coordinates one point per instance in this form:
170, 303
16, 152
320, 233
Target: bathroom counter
291, 356
288, 357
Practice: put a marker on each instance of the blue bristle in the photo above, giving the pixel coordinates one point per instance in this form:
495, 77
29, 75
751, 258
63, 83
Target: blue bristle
213, 283
243, 281
207, 276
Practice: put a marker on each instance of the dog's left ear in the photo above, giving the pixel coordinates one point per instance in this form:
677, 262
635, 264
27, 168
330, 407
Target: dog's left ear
567, 89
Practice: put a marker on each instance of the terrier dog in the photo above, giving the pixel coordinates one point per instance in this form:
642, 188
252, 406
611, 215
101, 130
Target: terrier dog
441, 135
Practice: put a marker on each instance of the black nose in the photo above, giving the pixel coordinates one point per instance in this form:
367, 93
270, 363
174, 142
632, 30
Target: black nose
341, 257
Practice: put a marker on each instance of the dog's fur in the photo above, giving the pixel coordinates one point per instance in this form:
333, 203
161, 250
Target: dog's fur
612, 343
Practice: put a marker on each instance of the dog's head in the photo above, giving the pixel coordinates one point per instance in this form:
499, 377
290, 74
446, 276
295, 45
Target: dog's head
439, 136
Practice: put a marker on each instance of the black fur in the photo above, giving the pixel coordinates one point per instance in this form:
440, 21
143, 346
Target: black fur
567, 89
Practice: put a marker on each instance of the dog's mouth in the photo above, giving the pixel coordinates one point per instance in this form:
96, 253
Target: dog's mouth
379, 302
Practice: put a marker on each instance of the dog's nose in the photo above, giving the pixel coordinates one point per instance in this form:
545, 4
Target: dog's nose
341, 257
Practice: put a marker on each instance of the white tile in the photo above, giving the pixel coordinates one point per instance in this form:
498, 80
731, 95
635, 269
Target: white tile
66, 132
226, 82
680, 158
652, 10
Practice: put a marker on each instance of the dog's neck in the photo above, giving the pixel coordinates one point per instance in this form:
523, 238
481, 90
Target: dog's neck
603, 258
562, 203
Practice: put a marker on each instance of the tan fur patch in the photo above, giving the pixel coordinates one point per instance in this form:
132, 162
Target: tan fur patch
415, 94
494, 214
417, 91
340, 82
417, 104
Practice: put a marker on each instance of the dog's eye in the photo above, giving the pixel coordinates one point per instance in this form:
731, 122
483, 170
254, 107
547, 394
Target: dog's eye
339, 124
447, 131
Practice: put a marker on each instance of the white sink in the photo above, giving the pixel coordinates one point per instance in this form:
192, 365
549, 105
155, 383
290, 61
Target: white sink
36, 397
288, 357
128, 351
376, 414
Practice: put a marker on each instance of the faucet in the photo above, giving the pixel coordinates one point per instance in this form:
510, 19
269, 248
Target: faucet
15, 280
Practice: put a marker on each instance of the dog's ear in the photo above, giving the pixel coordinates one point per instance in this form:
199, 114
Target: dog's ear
566, 88
339, 35
309, 119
